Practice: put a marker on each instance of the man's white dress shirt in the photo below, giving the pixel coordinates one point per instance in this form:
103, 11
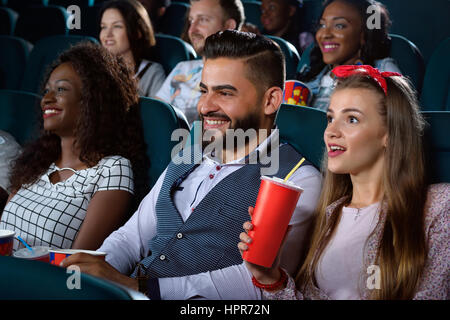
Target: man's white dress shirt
130, 244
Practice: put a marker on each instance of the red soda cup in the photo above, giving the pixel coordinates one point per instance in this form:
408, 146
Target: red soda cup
274, 207
6, 242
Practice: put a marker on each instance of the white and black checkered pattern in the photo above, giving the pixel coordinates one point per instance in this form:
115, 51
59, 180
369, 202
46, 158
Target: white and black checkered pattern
46, 214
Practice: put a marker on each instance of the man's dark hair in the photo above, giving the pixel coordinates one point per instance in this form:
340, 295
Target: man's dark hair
263, 57
234, 9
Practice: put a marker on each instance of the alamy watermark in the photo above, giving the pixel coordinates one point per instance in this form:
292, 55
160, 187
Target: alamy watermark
374, 278
74, 19
374, 20
74, 280
216, 144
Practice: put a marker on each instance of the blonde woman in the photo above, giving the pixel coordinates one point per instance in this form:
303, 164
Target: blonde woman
380, 231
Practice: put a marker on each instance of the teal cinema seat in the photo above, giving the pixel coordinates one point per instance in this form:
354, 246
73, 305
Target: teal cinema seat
43, 54
66, 3
14, 55
409, 59
310, 15
252, 10
34, 280
171, 50
19, 114
19, 5
303, 128
8, 19
159, 120
436, 86
173, 20
437, 145
291, 56
425, 23
37, 22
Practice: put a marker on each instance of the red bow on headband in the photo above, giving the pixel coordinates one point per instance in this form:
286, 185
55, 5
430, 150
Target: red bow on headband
350, 70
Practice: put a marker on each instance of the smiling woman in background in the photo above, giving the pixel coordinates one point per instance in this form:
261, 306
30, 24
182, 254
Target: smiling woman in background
74, 185
125, 30
343, 38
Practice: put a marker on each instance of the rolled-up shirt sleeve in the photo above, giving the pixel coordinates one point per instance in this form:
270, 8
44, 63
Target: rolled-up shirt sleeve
129, 244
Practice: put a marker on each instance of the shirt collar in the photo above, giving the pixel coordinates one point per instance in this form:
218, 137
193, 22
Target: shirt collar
263, 148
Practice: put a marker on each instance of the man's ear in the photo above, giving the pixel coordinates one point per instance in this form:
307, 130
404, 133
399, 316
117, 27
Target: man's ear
230, 24
272, 100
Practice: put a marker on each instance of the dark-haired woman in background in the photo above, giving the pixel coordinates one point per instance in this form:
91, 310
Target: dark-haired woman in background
74, 185
343, 37
125, 30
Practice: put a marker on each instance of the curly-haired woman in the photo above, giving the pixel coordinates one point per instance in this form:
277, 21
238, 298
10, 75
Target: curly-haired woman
79, 180
345, 36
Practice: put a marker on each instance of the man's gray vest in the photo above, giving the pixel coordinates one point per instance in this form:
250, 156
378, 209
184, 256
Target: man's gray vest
208, 239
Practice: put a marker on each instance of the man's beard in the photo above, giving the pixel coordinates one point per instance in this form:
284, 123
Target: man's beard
199, 44
252, 121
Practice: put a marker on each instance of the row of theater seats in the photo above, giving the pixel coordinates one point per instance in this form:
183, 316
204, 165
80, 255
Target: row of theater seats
22, 65
303, 127
44, 18
425, 23
19, 112
405, 17
427, 67
39, 19
51, 283
426, 74
432, 81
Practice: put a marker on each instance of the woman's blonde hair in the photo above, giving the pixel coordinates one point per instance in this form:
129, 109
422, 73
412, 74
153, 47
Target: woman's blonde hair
402, 248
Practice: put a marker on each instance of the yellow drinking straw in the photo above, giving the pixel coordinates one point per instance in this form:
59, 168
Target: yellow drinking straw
293, 170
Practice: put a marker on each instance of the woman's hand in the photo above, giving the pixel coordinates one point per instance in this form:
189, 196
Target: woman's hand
262, 274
